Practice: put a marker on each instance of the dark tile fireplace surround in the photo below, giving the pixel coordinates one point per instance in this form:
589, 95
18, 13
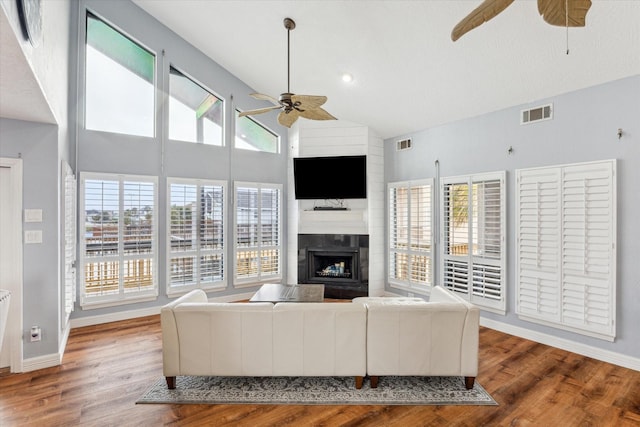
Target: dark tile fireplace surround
339, 261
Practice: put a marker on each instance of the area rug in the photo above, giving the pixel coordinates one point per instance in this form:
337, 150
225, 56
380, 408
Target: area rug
317, 391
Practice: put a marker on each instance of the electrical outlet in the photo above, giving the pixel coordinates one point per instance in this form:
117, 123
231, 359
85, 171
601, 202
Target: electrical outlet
36, 333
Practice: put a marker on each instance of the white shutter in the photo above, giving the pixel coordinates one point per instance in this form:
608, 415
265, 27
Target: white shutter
70, 191
538, 242
411, 235
566, 227
588, 264
473, 238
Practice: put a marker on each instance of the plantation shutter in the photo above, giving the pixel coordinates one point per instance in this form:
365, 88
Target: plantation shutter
258, 225
196, 234
411, 235
473, 230
572, 283
70, 191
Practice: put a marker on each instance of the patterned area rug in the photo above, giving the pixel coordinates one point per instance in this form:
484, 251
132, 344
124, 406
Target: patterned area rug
318, 391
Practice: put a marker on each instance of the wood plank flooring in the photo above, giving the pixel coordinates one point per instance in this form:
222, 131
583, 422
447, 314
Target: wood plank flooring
106, 368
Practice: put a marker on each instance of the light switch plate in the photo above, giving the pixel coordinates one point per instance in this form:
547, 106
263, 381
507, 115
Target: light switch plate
33, 236
33, 215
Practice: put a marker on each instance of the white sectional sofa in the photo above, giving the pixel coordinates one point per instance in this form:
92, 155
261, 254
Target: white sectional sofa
262, 339
370, 336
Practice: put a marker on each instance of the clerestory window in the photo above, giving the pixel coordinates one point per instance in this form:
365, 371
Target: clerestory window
195, 114
251, 135
119, 82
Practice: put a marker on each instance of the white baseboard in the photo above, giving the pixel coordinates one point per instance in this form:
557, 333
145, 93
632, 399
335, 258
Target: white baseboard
41, 362
563, 344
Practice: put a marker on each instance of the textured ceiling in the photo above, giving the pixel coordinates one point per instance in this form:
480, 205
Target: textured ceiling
408, 73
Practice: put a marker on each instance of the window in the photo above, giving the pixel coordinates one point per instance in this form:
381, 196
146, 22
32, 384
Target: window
258, 248
473, 238
410, 235
251, 135
566, 247
195, 114
196, 235
119, 77
119, 240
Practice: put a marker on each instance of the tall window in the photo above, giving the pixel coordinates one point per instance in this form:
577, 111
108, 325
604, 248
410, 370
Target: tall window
119, 77
195, 114
473, 242
251, 135
410, 235
196, 235
258, 228
119, 239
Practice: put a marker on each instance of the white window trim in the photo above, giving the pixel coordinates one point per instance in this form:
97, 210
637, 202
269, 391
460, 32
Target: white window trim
121, 298
218, 285
496, 306
253, 281
550, 266
409, 285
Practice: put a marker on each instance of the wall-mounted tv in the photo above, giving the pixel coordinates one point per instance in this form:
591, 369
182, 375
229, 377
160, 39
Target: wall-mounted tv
340, 177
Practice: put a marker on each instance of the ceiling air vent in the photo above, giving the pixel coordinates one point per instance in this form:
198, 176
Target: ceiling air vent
403, 144
532, 115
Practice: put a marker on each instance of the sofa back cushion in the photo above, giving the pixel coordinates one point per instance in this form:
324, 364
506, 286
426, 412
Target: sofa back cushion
319, 339
225, 338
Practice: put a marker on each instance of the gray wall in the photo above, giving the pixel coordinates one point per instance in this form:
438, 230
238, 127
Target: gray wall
113, 153
37, 145
584, 128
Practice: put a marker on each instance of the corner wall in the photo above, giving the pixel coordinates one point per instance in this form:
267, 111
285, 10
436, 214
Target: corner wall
584, 128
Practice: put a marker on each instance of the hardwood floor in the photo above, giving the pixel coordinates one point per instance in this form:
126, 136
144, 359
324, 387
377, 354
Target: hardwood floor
106, 368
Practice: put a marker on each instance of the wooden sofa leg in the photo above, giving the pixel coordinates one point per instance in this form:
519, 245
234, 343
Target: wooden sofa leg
468, 382
171, 382
374, 381
359, 382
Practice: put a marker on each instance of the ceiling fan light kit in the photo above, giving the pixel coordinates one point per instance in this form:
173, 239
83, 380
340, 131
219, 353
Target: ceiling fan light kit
292, 105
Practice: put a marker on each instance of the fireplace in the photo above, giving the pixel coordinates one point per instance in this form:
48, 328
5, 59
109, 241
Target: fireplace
339, 261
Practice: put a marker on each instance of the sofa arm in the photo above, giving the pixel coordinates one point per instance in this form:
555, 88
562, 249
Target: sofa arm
170, 350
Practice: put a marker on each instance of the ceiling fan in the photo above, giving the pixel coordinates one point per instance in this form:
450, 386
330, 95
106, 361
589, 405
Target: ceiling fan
292, 105
569, 13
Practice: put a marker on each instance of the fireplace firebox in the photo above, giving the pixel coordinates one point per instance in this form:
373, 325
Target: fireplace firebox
339, 261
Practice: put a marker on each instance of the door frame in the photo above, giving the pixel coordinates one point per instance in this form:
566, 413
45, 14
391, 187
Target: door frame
13, 242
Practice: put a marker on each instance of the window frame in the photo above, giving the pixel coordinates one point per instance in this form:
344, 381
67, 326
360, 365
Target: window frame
121, 297
463, 266
394, 282
198, 251
259, 278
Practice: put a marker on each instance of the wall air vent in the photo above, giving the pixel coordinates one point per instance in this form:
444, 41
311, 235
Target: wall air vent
403, 144
536, 114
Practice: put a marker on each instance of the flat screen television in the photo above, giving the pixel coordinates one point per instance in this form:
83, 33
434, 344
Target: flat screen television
340, 177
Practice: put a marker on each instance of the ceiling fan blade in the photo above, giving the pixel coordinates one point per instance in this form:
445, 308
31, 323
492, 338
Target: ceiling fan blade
259, 111
317, 114
309, 101
264, 97
483, 13
287, 119
555, 13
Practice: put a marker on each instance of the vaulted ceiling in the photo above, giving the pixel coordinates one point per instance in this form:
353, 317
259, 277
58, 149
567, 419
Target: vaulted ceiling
408, 74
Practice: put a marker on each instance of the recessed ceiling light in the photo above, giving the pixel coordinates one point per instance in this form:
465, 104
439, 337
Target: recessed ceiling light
347, 78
